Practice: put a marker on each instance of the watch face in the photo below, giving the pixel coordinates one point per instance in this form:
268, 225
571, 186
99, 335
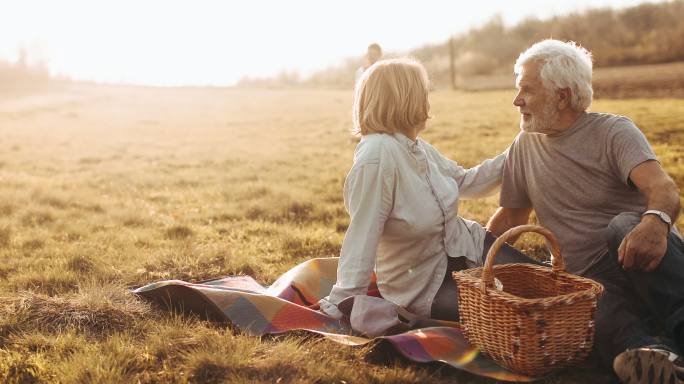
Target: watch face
665, 217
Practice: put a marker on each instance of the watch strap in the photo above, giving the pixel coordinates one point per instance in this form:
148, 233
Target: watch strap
664, 217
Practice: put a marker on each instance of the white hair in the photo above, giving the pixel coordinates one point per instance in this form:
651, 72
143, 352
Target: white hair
564, 65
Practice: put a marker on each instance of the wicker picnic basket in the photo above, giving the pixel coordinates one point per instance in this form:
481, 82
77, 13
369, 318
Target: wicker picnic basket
541, 319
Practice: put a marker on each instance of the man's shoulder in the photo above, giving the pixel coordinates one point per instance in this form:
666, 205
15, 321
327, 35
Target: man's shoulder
524, 139
608, 121
609, 129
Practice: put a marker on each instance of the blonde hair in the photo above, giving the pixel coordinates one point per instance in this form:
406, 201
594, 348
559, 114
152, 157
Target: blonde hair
391, 96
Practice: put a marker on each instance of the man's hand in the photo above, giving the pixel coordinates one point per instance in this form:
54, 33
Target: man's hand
644, 247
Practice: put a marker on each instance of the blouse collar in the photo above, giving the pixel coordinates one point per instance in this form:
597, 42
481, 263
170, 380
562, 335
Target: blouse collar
412, 145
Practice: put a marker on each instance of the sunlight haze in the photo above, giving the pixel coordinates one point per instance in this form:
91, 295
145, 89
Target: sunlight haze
219, 42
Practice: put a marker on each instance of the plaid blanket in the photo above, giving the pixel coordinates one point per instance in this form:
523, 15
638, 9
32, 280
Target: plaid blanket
281, 307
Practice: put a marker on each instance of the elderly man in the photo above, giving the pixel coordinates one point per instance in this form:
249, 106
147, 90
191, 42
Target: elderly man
593, 179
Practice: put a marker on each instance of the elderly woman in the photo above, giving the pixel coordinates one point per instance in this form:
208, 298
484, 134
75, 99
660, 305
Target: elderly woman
402, 196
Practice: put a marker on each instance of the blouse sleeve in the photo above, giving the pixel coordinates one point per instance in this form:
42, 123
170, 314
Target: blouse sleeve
481, 180
368, 195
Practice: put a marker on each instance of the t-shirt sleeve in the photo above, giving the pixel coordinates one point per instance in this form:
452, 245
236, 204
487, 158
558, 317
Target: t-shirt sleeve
628, 147
513, 183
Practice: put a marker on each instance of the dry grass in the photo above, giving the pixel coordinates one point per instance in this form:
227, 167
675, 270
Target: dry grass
5, 236
133, 185
97, 311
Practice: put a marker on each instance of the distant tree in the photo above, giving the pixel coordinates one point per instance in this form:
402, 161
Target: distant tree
644, 34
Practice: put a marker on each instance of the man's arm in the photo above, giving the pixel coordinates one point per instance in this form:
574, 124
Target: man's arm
506, 218
644, 247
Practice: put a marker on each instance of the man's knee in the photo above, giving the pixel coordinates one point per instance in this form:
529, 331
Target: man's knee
619, 227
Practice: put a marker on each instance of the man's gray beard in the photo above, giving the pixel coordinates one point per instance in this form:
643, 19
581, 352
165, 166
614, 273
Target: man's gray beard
543, 123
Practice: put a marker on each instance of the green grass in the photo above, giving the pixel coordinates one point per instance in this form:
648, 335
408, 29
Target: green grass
112, 188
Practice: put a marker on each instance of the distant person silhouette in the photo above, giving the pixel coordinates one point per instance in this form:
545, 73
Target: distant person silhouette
373, 54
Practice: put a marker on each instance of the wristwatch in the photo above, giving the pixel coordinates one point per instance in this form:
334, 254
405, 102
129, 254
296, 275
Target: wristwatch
661, 215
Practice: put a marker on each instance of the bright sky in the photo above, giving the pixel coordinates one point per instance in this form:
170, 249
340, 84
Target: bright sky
205, 42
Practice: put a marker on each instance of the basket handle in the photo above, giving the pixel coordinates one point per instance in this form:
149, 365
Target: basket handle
558, 264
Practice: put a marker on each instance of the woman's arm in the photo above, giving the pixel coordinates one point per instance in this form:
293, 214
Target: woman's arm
479, 181
483, 179
368, 199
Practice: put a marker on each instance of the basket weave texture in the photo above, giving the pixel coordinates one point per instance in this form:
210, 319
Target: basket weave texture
542, 319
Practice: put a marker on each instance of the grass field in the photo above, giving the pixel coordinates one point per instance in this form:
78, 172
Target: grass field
107, 188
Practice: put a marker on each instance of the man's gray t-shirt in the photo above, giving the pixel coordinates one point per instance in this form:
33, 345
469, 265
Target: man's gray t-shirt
577, 181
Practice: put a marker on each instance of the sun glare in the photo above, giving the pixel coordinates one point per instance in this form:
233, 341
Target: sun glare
217, 43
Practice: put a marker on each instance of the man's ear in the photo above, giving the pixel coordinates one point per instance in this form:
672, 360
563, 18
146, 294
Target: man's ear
564, 98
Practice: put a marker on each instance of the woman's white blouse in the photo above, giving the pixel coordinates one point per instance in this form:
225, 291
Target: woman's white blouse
402, 197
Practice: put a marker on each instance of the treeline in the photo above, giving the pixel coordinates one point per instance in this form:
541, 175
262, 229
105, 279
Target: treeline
23, 74
284, 79
644, 34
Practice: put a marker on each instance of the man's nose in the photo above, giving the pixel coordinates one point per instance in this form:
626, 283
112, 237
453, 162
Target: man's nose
518, 101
